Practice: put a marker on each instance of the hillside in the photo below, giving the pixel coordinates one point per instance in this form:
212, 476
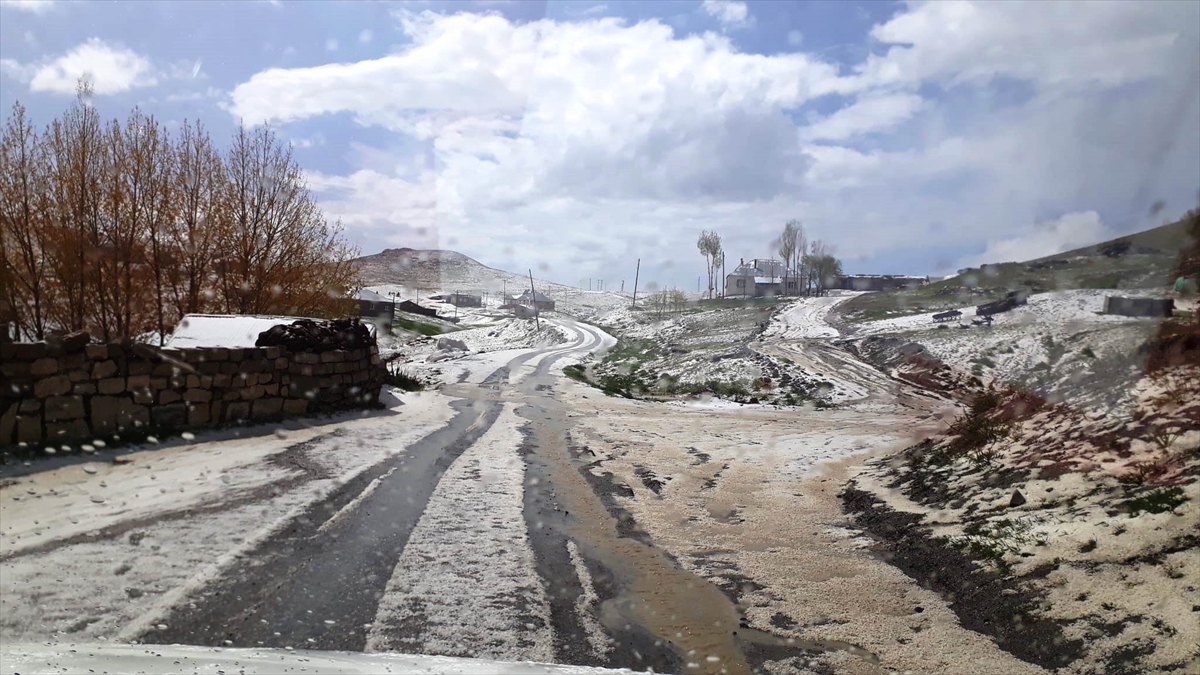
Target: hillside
415, 273
1146, 259
433, 270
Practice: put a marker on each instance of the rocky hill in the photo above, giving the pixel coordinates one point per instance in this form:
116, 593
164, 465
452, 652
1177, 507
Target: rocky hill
420, 272
436, 270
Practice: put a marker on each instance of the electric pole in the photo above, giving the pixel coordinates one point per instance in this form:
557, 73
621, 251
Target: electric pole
636, 271
533, 298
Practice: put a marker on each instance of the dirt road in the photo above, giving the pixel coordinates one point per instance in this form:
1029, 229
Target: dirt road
525, 518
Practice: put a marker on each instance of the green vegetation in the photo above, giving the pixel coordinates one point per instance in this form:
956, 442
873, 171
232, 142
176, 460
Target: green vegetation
632, 349
972, 433
722, 303
1143, 259
1159, 500
576, 372
401, 379
417, 326
990, 541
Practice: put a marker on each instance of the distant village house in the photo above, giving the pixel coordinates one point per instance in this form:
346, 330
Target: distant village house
761, 277
372, 305
465, 300
536, 300
413, 308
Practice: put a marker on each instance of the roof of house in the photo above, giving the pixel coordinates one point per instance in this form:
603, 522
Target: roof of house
372, 296
763, 267
536, 296
226, 330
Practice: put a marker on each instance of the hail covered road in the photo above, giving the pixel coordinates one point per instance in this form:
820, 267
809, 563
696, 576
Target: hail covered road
515, 515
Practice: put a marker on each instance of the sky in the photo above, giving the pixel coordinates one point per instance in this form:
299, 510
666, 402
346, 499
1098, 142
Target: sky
577, 137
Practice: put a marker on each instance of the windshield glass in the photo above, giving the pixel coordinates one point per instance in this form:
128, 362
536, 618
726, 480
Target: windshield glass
712, 336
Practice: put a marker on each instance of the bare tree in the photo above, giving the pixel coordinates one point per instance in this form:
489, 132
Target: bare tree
823, 267
23, 228
119, 229
75, 163
785, 244
798, 252
196, 221
709, 245
278, 252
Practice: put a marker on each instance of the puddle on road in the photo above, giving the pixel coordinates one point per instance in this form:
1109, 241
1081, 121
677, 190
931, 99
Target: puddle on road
671, 604
674, 605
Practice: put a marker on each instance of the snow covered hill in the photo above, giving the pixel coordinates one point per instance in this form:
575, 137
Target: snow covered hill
436, 270
415, 273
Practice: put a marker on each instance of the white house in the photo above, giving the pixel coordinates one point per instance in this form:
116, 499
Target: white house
761, 277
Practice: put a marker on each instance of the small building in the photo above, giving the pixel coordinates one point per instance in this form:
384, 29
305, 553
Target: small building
1010, 301
523, 311
375, 306
464, 300
879, 282
413, 308
1148, 307
536, 300
761, 277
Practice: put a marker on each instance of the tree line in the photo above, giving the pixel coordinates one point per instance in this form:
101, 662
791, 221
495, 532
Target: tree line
120, 228
816, 268
810, 265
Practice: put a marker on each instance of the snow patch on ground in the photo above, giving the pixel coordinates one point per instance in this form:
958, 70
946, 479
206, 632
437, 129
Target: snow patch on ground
466, 584
587, 604
79, 587
806, 317
185, 660
1074, 309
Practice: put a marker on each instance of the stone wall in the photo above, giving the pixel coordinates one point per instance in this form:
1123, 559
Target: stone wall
67, 391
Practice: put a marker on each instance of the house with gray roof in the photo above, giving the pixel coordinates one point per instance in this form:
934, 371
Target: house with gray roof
761, 277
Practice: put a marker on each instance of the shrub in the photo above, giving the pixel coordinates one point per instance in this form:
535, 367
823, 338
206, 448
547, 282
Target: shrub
576, 372
401, 379
1157, 501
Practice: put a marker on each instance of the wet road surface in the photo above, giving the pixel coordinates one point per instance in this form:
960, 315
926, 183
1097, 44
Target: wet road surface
613, 598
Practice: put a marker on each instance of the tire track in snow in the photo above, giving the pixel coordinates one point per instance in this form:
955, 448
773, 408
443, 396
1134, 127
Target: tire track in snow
466, 584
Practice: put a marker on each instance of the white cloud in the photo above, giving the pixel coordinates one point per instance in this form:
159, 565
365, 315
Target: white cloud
870, 113
388, 207
616, 140
795, 38
365, 36
1071, 231
1052, 43
596, 9
16, 70
730, 13
331, 45
309, 141
111, 68
32, 6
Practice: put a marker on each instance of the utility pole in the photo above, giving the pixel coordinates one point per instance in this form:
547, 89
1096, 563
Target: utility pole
622, 285
533, 298
636, 271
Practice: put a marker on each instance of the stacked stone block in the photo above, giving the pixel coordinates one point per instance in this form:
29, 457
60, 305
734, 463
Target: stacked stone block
67, 391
